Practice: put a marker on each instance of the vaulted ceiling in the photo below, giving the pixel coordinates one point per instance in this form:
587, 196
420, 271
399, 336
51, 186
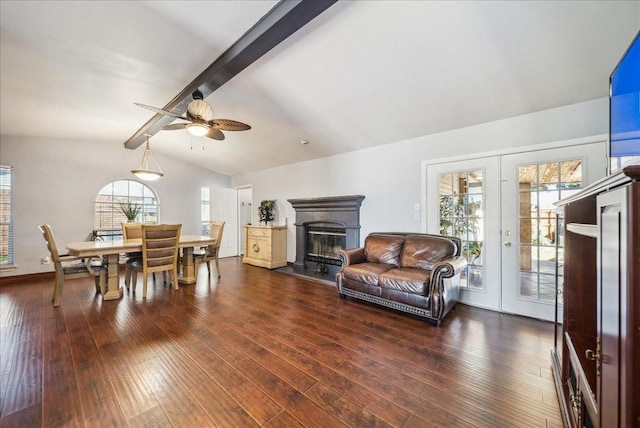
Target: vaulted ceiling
363, 73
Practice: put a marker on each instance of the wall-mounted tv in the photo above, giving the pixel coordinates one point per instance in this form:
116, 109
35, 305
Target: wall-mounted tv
624, 109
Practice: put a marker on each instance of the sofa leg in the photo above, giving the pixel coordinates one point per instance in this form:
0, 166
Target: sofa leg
342, 296
434, 322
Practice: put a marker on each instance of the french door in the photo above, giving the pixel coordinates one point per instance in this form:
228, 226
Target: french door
464, 201
502, 209
531, 183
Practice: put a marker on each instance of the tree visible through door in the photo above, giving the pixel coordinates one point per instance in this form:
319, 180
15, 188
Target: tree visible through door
461, 215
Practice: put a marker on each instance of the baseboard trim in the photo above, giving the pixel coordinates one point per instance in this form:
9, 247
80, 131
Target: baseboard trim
39, 276
28, 277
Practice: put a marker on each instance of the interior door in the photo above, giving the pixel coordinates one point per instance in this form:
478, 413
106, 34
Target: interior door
224, 207
463, 200
531, 183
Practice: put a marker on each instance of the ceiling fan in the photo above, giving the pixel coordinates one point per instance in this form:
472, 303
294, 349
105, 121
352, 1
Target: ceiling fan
200, 121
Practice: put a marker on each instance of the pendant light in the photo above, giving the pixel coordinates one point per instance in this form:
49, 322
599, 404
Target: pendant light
144, 172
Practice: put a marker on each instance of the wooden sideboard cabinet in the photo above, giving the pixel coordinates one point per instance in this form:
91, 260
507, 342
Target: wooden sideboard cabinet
265, 246
596, 357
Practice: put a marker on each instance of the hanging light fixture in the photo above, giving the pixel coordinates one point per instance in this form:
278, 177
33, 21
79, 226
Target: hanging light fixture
197, 129
143, 172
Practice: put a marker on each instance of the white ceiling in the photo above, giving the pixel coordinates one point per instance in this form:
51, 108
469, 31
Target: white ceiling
363, 73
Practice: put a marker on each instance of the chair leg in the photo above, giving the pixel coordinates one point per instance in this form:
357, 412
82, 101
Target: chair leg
58, 289
55, 288
127, 275
175, 279
144, 285
217, 267
134, 280
96, 279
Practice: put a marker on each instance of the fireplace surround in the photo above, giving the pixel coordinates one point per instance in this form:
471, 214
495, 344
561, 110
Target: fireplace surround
323, 226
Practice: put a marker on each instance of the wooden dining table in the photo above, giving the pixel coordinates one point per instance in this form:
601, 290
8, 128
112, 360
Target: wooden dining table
110, 251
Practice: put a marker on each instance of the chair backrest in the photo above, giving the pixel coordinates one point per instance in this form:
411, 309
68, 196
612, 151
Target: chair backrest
131, 230
160, 246
215, 231
51, 242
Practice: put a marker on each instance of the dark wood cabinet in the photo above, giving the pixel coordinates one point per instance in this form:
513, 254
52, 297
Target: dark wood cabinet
596, 359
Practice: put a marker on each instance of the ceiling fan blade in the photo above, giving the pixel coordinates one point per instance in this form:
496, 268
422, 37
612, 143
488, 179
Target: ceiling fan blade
174, 126
229, 125
159, 110
216, 134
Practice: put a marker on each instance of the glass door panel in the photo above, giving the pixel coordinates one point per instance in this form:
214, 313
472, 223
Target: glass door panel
539, 186
461, 216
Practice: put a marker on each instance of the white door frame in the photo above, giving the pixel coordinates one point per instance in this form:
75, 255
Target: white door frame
248, 202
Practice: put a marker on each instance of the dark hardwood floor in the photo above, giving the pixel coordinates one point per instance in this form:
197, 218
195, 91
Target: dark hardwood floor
261, 348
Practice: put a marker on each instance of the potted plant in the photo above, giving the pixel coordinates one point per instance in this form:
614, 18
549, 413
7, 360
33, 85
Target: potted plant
130, 210
265, 210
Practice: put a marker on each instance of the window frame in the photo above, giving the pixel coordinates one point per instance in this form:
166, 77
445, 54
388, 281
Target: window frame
108, 217
7, 199
205, 210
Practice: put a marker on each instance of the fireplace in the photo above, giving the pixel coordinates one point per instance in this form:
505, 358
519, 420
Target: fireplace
323, 244
323, 226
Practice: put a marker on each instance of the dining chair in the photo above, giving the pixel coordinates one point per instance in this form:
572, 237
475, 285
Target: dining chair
70, 267
159, 254
210, 252
131, 231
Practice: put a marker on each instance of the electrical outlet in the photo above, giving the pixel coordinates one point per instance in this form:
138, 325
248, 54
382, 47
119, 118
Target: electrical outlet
46, 260
416, 207
417, 215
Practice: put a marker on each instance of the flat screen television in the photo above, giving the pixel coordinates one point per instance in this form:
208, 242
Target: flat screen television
624, 109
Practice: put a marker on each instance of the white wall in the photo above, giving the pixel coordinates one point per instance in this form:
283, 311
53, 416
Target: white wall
389, 175
56, 182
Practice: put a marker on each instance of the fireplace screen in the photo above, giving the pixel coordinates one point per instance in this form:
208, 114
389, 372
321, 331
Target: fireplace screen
323, 244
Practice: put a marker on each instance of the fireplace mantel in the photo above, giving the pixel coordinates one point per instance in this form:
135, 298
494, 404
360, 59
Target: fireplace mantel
327, 203
325, 211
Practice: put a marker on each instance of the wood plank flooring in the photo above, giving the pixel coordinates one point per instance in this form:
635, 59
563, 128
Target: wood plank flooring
261, 348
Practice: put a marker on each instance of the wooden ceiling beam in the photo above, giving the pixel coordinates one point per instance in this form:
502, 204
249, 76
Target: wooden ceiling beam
284, 19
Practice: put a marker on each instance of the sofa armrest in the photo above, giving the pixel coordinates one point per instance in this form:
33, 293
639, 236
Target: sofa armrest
351, 256
444, 288
448, 268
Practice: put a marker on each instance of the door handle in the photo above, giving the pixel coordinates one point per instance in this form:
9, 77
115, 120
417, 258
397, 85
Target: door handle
507, 244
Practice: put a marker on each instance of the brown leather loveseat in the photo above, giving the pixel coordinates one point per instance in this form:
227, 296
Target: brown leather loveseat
411, 272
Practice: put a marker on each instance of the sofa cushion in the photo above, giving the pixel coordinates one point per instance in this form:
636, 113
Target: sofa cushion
366, 272
423, 252
383, 249
409, 280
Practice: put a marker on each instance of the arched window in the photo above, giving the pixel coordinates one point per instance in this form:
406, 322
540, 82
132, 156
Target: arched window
114, 198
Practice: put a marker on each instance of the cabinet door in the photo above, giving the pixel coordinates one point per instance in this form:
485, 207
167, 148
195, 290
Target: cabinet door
612, 262
263, 244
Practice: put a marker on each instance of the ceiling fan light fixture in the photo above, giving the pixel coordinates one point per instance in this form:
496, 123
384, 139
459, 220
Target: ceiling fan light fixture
144, 172
197, 129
